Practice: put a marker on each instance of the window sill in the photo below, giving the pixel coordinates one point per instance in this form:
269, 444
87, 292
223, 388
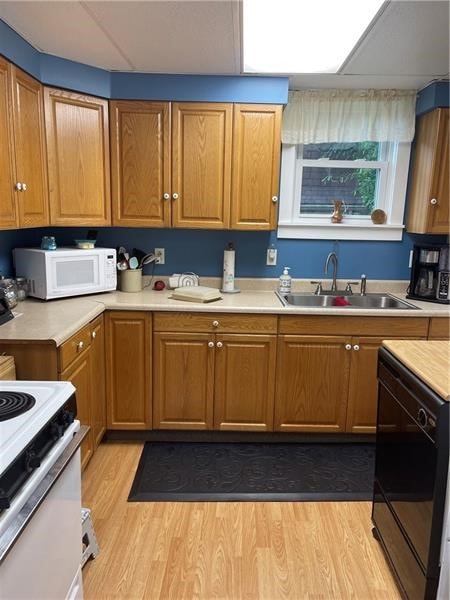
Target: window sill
340, 231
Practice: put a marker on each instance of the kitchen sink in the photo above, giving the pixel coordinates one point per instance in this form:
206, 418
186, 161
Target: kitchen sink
369, 301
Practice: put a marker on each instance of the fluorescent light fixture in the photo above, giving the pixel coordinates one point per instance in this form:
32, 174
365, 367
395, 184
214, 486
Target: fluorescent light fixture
303, 36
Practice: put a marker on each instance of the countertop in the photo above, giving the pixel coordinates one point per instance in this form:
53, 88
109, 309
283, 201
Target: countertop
57, 320
429, 360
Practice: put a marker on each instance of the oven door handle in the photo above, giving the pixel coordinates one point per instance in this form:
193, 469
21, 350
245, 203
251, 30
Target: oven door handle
17, 526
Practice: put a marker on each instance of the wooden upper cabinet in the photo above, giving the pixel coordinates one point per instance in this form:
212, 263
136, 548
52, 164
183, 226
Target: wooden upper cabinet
140, 163
256, 166
23, 175
429, 198
78, 158
201, 165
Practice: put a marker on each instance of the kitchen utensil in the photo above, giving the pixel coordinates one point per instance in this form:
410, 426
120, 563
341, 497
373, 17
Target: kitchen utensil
133, 262
139, 254
148, 258
122, 265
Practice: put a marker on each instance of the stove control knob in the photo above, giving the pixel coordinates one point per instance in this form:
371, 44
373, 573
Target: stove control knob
32, 461
67, 417
56, 430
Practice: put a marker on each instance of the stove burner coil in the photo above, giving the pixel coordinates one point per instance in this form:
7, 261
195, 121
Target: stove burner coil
13, 404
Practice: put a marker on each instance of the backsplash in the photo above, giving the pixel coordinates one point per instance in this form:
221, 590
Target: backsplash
201, 251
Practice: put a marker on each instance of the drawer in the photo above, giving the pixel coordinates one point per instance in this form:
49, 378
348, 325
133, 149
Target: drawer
74, 347
214, 322
7, 368
385, 327
439, 328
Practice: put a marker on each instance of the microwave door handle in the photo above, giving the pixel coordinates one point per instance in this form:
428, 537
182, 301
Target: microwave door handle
430, 279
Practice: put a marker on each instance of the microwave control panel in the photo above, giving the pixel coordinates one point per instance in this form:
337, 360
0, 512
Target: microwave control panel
111, 273
443, 289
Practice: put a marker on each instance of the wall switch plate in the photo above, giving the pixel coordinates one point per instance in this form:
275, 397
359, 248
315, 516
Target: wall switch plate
271, 258
160, 254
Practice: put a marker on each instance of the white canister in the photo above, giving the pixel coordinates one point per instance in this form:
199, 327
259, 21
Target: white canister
131, 280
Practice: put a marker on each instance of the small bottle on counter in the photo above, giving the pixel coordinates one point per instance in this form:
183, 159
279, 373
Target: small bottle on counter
284, 282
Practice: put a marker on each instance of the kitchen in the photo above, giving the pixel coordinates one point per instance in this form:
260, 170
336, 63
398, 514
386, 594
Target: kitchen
61, 321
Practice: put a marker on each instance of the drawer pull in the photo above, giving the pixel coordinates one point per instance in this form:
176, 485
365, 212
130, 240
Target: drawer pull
80, 346
348, 346
210, 344
219, 345
356, 347
93, 335
215, 323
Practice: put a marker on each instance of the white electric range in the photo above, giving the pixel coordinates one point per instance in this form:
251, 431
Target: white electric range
40, 491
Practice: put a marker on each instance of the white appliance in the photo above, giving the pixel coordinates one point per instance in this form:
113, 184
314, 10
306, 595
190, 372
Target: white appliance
67, 271
40, 491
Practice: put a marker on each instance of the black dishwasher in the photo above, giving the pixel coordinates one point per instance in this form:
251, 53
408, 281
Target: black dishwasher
410, 477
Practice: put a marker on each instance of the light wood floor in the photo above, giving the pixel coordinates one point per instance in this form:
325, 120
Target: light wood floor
227, 550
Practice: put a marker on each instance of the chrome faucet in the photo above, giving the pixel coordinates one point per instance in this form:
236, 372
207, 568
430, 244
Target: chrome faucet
363, 285
332, 256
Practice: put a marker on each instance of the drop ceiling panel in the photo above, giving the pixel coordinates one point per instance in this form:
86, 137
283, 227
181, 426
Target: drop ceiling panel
410, 38
174, 37
328, 81
64, 29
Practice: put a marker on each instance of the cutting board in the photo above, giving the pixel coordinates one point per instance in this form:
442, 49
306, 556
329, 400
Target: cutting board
7, 368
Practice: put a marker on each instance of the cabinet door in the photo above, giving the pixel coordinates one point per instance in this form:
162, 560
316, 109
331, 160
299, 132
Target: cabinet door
79, 373
8, 214
430, 196
98, 405
201, 165
29, 145
78, 158
128, 370
140, 164
244, 382
311, 383
184, 380
256, 166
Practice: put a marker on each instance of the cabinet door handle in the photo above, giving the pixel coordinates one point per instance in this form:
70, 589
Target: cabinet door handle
215, 323
166, 196
219, 345
274, 199
348, 346
24, 187
433, 201
174, 196
210, 344
356, 347
80, 346
93, 335
18, 186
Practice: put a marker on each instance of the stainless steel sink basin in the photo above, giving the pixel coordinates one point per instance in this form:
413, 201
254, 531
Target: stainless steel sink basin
369, 301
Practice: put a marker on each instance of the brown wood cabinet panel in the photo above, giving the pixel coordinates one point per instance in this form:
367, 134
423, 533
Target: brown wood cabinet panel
78, 158
74, 347
34, 360
140, 163
79, 374
128, 370
439, 328
183, 381
429, 197
29, 147
244, 382
9, 217
201, 164
256, 166
98, 379
311, 383
336, 325
214, 322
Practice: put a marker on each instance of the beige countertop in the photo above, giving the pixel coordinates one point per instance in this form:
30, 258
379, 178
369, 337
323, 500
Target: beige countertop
429, 360
57, 320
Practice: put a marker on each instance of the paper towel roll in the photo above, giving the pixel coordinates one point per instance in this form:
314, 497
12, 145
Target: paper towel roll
228, 271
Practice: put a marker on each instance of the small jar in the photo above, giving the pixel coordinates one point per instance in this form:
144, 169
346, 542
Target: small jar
48, 242
8, 290
23, 288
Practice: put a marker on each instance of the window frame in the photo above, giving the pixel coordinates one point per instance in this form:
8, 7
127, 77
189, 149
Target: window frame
392, 196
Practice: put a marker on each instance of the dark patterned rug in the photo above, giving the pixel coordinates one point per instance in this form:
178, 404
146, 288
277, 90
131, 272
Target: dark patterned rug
202, 471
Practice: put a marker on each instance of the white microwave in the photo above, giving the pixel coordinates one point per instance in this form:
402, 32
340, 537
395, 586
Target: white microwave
66, 271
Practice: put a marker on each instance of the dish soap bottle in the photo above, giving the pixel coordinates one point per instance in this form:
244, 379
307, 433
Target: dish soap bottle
284, 282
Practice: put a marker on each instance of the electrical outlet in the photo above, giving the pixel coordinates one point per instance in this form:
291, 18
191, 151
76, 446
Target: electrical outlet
160, 254
271, 258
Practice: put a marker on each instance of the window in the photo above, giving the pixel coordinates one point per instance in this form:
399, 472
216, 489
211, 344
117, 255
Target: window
364, 175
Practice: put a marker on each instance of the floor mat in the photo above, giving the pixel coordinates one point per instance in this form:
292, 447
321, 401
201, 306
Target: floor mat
187, 471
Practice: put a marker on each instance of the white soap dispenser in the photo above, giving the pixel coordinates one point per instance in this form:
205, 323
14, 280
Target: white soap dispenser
284, 282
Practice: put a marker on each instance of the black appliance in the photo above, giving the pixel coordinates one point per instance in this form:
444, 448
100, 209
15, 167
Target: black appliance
430, 273
5, 312
410, 477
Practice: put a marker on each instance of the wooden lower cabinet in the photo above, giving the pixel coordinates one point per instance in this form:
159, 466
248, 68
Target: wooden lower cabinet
312, 383
98, 379
128, 369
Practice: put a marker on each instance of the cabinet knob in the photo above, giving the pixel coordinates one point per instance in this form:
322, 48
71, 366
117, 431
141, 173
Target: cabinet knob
210, 344
348, 346
219, 345
356, 347
93, 335
215, 323
24, 187
174, 196
166, 196
80, 346
18, 186
433, 201
274, 199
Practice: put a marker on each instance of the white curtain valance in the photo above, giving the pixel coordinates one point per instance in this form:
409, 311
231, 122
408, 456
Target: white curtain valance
317, 116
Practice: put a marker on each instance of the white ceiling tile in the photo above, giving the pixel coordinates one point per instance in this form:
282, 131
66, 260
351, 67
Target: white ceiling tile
329, 81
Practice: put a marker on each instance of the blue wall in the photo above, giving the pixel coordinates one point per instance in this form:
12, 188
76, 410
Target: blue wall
198, 250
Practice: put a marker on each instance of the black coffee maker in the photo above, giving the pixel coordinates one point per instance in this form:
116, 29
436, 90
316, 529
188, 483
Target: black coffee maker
430, 273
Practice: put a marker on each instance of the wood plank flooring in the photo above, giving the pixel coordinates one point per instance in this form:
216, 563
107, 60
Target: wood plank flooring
225, 550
